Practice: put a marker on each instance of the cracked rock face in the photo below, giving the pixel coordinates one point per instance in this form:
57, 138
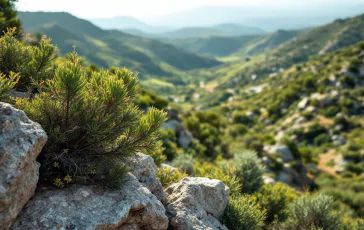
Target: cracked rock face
144, 169
21, 141
80, 207
196, 203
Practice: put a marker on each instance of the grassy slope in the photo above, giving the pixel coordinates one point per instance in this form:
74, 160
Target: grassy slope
114, 48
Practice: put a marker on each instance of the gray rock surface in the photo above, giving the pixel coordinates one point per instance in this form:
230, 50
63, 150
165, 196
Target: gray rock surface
282, 150
196, 203
79, 207
144, 169
184, 136
21, 141
269, 180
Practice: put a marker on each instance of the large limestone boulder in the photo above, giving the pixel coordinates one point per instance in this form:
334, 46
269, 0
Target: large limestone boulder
283, 151
196, 203
21, 141
184, 137
79, 207
144, 169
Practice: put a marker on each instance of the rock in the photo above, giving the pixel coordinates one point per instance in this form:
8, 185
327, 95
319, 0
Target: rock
285, 178
266, 160
300, 120
279, 135
290, 119
184, 136
184, 139
283, 151
269, 180
21, 141
144, 169
303, 103
311, 109
311, 167
338, 140
172, 114
323, 99
340, 163
251, 114
91, 207
196, 203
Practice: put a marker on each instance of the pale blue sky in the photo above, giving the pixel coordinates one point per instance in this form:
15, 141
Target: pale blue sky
147, 9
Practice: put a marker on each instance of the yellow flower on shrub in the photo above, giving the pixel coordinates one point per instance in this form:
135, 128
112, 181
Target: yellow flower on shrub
58, 182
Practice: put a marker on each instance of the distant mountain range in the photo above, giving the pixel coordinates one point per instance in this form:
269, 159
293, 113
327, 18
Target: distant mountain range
129, 23
235, 45
295, 15
108, 48
136, 27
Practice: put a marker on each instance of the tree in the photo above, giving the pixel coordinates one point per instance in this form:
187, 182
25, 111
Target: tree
8, 16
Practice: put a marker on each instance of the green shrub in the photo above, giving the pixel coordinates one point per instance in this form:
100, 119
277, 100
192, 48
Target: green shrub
316, 211
225, 174
184, 163
238, 129
313, 131
158, 154
308, 115
254, 142
169, 143
92, 125
168, 176
207, 127
8, 16
147, 98
32, 63
354, 65
7, 84
292, 147
274, 199
241, 118
322, 139
243, 213
331, 111
249, 170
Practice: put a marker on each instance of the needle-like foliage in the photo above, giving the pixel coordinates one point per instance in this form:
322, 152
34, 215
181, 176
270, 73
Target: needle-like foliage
91, 123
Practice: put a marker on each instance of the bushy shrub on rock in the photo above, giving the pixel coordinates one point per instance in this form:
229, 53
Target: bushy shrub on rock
91, 123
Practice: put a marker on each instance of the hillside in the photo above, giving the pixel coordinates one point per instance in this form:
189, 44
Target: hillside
219, 30
307, 43
113, 48
235, 45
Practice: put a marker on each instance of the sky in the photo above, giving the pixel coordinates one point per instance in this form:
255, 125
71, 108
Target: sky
148, 9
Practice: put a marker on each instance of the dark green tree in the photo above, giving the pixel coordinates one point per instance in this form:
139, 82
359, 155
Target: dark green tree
8, 15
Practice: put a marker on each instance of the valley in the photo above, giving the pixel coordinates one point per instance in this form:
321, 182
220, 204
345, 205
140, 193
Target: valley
265, 117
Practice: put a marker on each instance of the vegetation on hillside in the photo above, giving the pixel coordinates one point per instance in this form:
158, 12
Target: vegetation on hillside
261, 125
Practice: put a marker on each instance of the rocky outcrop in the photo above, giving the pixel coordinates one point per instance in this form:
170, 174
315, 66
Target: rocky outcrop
283, 151
79, 207
21, 141
184, 137
294, 176
196, 203
143, 168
